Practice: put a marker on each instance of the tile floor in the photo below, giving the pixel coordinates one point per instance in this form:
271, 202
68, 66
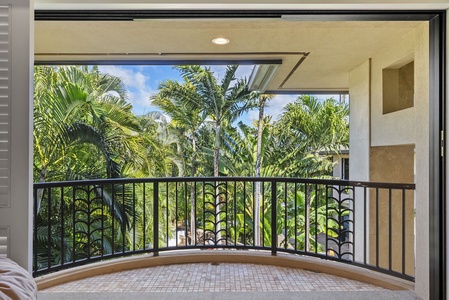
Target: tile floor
203, 277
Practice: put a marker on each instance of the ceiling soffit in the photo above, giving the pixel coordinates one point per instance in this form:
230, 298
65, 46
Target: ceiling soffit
314, 55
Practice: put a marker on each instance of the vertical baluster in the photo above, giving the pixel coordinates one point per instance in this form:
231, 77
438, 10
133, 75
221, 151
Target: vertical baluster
102, 220
327, 219
62, 226
254, 214
134, 217
273, 218
244, 213
226, 212
144, 213
235, 213
306, 217
352, 231
185, 212
365, 239
156, 218
49, 229
389, 230
377, 227
167, 220
262, 197
88, 191
296, 216
194, 212
316, 217
123, 226
403, 232
204, 213
176, 211
113, 218
285, 215
74, 223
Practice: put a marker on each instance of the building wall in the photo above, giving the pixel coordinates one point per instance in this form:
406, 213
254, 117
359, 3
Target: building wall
337, 169
392, 164
372, 132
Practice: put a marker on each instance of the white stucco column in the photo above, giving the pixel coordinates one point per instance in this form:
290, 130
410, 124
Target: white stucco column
359, 145
17, 216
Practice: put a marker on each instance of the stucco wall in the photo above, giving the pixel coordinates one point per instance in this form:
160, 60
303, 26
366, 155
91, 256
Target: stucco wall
396, 128
392, 164
359, 116
371, 128
422, 159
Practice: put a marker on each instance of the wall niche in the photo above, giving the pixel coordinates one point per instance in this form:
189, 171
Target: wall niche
398, 86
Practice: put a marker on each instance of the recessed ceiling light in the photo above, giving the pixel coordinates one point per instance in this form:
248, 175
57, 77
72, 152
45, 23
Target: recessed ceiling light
220, 41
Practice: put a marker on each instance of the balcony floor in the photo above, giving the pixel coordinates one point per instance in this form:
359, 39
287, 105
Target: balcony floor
219, 281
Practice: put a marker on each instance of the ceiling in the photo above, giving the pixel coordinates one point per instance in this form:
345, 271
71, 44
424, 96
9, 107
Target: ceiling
315, 56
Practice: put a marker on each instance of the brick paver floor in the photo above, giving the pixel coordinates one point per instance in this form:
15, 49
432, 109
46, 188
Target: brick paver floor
224, 277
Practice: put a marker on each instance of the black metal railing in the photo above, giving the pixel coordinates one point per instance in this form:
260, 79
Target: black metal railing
361, 223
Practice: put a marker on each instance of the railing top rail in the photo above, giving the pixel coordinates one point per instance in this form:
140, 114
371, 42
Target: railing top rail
404, 186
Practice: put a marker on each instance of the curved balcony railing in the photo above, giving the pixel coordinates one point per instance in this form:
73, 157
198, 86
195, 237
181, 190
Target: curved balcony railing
361, 223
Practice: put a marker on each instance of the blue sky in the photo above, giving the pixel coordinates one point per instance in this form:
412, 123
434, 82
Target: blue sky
142, 82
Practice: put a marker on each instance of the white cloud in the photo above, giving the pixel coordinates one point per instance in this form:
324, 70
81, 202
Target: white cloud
276, 105
273, 108
130, 77
137, 83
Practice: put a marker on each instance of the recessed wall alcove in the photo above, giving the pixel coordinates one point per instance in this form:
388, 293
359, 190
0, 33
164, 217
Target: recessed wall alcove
398, 86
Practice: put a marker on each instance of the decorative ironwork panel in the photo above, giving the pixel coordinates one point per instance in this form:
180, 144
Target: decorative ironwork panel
340, 234
215, 227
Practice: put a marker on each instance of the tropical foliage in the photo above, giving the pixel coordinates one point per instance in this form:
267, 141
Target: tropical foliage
84, 128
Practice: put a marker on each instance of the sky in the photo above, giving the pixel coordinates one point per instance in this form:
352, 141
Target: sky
142, 81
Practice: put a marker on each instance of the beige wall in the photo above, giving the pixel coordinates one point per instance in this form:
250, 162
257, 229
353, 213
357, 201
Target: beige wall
396, 128
405, 127
392, 164
422, 159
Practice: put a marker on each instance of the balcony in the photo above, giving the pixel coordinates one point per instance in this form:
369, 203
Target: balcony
313, 221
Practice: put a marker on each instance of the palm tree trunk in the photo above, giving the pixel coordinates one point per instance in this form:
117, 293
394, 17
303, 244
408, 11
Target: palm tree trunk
258, 169
307, 233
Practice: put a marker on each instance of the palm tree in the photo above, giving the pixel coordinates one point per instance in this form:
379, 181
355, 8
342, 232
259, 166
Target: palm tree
77, 106
83, 128
223, 102
310, 127
172, 98
162, 145
316, 125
